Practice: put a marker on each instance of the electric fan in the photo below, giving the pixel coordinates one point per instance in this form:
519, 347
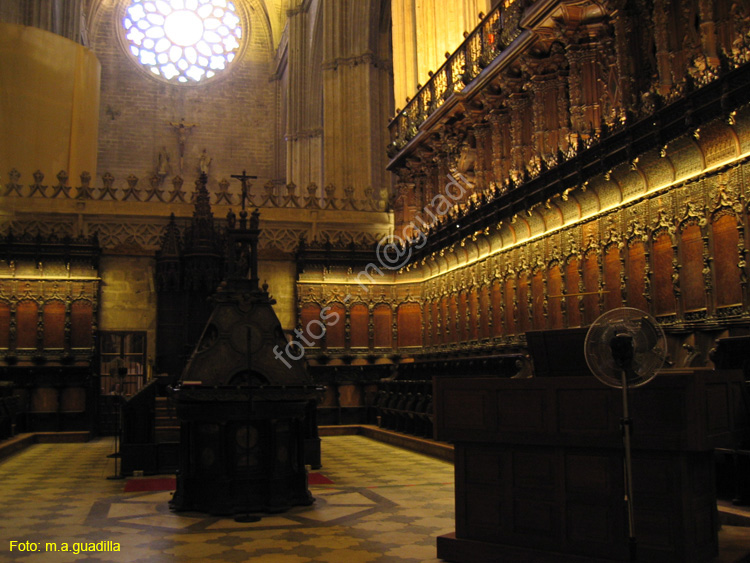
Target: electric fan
624, 347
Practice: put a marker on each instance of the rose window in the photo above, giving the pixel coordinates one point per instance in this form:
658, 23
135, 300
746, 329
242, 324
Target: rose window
183, 40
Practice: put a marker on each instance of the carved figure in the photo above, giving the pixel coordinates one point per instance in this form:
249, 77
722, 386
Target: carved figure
163, 167
204, 163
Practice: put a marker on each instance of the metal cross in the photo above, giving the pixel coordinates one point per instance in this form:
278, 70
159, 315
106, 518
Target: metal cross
244, 178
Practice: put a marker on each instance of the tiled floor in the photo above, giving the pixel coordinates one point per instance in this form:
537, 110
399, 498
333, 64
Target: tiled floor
386, 505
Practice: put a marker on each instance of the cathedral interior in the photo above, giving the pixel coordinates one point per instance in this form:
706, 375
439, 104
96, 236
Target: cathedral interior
256, 243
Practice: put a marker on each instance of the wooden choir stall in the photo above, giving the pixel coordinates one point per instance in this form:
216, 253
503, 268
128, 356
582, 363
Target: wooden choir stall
539, 465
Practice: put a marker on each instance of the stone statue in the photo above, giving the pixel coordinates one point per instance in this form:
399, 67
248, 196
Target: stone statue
163, 166
204, 163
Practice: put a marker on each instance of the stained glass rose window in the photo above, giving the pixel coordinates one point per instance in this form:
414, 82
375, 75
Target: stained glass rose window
183, 40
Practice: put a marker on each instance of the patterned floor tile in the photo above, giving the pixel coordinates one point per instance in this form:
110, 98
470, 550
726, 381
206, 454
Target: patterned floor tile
386, 505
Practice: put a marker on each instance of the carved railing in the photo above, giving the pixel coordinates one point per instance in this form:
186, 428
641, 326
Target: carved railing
495, 32
161, 190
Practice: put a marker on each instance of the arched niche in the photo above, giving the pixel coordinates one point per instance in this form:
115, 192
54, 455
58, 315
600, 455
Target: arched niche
452, 319
591, 287
409, 316
382, 318
26, 323
662, 254
53, 314
726, 242
310, 315
692, 286
636, 275
462, 318
81, 324
445, 329
4, 324
335, 325
473, 314
359, 325
612, 270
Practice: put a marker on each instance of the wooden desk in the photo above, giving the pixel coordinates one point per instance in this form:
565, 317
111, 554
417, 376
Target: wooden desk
539, 466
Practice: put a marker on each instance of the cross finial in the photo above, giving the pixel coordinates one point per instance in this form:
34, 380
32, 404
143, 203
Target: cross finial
244, 178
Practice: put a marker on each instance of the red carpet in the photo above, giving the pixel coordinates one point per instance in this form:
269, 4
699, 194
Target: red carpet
318, 479
153, 484
150, 484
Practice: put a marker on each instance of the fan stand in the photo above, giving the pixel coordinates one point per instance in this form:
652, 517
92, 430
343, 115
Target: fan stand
622, 353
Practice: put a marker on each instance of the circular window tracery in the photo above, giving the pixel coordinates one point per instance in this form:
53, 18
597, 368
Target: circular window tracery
183, 40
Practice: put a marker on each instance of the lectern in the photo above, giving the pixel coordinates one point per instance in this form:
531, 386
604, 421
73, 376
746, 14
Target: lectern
242, 410
539, 466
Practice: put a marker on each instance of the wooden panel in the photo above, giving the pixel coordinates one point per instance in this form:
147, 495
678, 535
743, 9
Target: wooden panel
590, 285
522, 410
409, 325
310, 319
554, 304
522, 296
726, 241
381, 319
691, 274
572, 279
474, 320
359, 319
612, 266
44, 399
426, 318
4, 324
585, 410
73, 399
537, 298
350, 395
81, 321
484, 308
436, 327
452, 318
462, 318
509, 295
663, 293
336, 330
588, 473
636, 272
26, 321
443, 339
54, 324
502, 326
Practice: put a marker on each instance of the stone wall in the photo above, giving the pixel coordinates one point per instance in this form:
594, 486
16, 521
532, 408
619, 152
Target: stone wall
128, 296
235, 112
